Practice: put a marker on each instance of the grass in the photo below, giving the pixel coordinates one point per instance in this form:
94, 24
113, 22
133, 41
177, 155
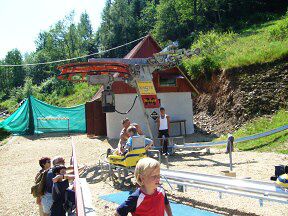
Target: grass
254, 45
258, 44
81, 94
275, 143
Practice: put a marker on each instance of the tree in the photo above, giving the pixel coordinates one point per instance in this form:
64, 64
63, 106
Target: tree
17, 74
87, 38
118, 26
147, 19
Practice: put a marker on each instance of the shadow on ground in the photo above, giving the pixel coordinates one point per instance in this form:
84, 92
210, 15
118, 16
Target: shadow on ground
207, 207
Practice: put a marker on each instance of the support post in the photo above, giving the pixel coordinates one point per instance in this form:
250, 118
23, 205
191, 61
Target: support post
230, 149
146, 74
31, 126
146, 117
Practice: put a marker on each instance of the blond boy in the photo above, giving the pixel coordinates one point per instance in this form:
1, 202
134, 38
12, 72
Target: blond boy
149, 198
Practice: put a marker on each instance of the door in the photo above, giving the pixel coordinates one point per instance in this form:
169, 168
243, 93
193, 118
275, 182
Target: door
95, 119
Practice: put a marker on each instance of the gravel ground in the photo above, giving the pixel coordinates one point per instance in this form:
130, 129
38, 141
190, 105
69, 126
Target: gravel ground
19, 158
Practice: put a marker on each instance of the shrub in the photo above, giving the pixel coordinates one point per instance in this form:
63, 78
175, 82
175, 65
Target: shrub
212, 46
279, 31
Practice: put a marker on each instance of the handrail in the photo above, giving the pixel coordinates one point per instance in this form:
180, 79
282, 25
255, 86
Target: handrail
80, 210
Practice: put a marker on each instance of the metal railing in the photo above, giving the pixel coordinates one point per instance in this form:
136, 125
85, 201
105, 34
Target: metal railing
222, 184
224, 142
80, 208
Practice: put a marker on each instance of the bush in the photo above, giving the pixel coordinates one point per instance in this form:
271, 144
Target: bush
279, 31
211, 44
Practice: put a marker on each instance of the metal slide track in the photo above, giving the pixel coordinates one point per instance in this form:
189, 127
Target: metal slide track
222, 184
224, 142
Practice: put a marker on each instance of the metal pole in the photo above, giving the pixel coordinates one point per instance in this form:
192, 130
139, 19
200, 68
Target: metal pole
68, 127
230, 146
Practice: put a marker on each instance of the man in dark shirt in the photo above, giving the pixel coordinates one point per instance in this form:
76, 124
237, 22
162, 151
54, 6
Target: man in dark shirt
59, 188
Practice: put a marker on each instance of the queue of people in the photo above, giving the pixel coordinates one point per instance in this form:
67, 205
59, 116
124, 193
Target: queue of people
52, 184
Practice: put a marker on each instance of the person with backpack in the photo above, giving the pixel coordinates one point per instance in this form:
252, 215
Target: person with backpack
45, 164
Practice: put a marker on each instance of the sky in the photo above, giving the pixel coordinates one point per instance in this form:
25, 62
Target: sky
22, 20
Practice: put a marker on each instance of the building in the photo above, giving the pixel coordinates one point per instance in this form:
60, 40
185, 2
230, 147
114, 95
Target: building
174, 92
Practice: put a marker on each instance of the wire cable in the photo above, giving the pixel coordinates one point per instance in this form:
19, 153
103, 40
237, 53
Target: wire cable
124, 113
75, 58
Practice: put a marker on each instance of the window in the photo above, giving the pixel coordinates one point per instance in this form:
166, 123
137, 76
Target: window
172, 81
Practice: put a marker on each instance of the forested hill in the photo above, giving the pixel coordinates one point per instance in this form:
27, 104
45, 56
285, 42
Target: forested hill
213, 25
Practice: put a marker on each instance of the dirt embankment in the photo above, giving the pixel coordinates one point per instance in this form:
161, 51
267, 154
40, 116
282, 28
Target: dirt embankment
235, 96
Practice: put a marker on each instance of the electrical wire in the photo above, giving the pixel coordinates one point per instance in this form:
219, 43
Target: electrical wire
75, 58
124, 113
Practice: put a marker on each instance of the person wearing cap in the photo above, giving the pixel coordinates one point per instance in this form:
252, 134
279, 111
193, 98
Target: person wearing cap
163, 123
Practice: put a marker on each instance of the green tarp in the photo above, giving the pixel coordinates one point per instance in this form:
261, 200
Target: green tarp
35, 116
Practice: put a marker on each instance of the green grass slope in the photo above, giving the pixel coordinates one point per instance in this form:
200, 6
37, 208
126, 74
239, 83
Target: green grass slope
258, 44
275, 143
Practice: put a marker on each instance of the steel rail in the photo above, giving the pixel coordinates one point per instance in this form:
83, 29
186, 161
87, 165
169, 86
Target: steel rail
253, 195
224, 142
222, 184
242, 187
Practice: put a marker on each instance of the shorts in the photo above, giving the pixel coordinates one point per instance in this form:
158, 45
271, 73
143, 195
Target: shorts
47, 202
163, 132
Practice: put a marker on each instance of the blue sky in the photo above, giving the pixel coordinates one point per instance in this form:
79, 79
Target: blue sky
22, 20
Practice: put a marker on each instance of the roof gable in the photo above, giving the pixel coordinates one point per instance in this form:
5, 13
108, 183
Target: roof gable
144, 49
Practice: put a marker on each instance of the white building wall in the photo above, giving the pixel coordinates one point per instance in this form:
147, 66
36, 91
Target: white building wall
177, 104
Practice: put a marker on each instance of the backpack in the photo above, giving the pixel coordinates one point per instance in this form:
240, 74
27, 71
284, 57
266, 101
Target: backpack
38, 189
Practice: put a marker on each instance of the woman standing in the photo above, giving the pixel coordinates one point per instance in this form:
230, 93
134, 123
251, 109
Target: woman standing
45, 164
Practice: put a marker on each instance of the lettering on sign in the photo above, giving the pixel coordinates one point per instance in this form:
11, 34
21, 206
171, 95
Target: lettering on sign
150, 101
146, 88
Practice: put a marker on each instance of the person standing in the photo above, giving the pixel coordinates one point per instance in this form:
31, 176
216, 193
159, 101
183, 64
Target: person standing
60, 185
47, 200
163, 123
45, 164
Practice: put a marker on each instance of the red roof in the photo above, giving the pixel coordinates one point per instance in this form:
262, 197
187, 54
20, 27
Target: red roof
144, 49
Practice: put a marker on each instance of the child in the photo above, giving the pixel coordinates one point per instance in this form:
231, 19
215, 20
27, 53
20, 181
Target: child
132, 131
149, 199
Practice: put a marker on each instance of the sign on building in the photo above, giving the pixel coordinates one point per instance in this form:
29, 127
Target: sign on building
148, 94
